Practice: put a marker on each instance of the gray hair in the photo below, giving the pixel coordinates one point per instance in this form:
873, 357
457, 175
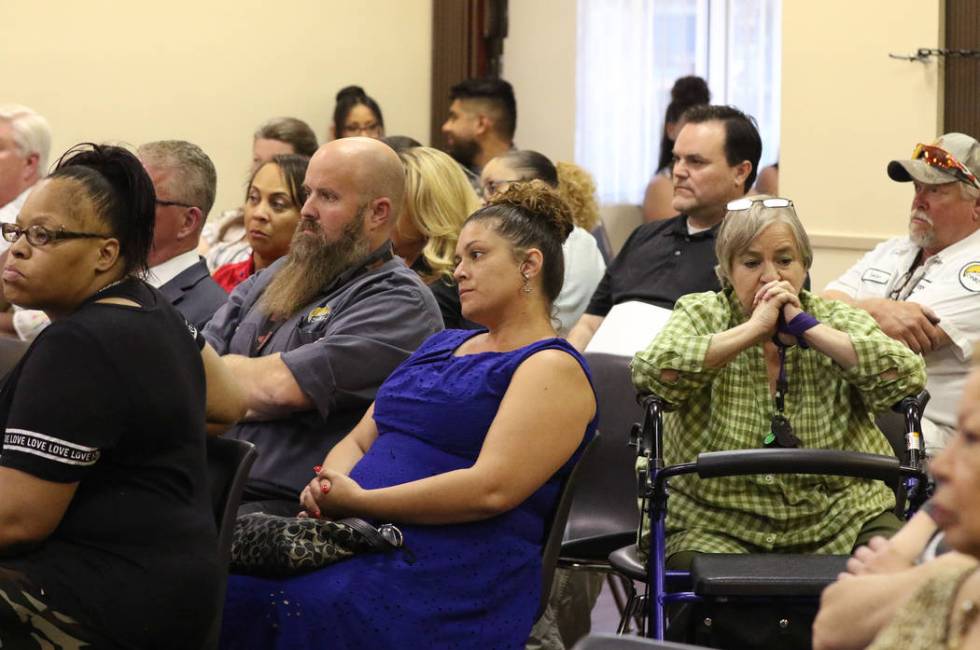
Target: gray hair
741, 227
31, 133
969, 192
194, 179
292, 131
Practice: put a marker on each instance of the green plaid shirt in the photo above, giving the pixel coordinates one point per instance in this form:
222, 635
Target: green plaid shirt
731, 407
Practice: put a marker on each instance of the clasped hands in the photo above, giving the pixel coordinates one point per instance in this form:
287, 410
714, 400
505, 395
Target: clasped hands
773, 298
330, 495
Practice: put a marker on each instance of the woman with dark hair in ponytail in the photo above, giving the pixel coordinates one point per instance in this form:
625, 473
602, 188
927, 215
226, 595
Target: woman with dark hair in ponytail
465, 449
356, 114
107, 536
687, 92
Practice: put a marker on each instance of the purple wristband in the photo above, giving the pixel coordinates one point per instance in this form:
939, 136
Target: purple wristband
798, 326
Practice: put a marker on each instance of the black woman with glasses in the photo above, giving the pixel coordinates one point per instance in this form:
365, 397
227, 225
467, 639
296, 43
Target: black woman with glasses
924, 289
107, 536
765, 363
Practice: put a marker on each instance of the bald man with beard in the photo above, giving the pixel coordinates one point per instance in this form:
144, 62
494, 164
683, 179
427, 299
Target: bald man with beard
312, 337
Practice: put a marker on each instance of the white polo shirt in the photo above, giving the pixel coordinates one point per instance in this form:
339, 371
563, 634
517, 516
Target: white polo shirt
949, 284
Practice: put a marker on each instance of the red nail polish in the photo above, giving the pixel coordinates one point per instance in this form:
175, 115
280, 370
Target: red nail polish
316, 469
316, 513
324, 487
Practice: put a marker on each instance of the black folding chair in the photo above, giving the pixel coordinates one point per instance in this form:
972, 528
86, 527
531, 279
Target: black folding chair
556, 529
751, 577
604, 515
614, 642
229, 462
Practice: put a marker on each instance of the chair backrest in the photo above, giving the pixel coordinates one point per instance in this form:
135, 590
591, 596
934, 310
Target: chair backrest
604, 515
620, 220
556, 528
611, 642
229, 462
11, 350
602, 239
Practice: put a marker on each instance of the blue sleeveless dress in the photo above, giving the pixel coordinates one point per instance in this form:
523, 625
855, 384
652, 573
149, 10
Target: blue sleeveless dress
472, 585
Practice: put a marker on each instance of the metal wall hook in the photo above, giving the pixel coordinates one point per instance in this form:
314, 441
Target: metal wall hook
924, 53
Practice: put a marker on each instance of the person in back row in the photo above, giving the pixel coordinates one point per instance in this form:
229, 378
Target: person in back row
438, 199
584, 265
715, 159
311, 337
272, 203
223, 241
481, 124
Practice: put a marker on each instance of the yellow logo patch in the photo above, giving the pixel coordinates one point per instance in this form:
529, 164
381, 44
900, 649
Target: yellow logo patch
318, 314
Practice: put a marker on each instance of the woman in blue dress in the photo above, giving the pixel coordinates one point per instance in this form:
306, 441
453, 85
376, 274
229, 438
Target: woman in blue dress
465, 448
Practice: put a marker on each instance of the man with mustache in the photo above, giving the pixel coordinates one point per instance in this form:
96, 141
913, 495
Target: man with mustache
312, 337
716, 156
924, 289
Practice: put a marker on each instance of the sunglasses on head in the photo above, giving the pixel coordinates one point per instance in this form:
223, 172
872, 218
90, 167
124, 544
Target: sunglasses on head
739, 205
937, 157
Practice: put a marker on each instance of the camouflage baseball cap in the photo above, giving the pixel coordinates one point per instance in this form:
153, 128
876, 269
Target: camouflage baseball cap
953, 157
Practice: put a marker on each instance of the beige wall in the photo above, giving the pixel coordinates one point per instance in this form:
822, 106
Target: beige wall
847, 109
211, 71
539, 60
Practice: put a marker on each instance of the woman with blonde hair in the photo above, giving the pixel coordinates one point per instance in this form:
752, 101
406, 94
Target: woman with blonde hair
438, 199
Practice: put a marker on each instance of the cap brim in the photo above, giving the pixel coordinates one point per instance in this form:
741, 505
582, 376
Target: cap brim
905, 171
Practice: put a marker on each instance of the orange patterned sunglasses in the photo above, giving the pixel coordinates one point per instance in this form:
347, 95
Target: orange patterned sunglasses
941, 159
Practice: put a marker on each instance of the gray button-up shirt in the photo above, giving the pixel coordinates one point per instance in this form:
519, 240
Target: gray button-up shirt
340, 347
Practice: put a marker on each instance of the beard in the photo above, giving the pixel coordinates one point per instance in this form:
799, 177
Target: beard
312, 263
464, 151
921, 236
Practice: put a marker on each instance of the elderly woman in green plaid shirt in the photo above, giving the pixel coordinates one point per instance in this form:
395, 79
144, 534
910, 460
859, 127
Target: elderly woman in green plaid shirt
717, 361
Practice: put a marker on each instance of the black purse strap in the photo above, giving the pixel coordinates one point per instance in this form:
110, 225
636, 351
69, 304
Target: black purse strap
386, 537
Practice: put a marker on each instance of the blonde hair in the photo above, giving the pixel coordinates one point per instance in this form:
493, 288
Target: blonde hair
740, 228
438, 199
577, 187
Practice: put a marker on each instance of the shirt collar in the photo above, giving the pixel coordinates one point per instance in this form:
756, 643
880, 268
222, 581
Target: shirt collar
164, 272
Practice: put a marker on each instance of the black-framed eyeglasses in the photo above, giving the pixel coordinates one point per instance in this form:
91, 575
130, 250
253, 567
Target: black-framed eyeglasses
41, 236
180, 204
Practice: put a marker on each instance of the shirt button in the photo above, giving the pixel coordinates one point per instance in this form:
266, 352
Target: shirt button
770, 478
677, 252
770, 539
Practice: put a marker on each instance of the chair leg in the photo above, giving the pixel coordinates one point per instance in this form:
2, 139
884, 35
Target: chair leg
618, 589
624, 621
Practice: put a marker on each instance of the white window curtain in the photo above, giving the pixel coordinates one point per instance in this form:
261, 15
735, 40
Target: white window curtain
629, 54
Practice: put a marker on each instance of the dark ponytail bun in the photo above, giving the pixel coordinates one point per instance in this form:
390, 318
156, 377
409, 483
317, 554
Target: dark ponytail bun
690, 91
350, 92
122, 194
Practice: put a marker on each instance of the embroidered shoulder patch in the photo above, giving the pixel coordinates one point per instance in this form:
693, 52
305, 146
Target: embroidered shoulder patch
318, 314
970, 277
38, 444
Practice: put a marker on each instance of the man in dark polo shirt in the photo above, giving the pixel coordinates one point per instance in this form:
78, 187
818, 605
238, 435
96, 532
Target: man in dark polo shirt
312, 337
715, 159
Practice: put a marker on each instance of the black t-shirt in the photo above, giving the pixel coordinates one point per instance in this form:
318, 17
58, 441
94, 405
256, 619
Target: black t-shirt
446, 294
659, 263
113, 397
